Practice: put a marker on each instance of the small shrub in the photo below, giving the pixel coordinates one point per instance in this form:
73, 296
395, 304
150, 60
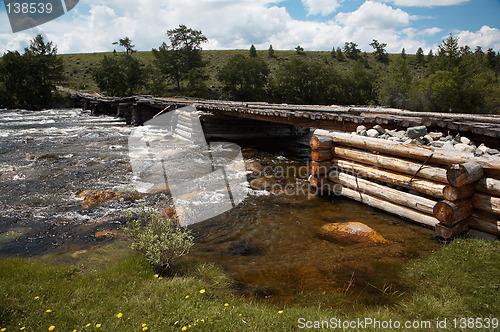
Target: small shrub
162, 240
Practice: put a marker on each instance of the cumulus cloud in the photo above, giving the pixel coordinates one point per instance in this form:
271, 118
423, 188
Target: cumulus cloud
486, 37
228, 24
375, 15
427, 3
321, 7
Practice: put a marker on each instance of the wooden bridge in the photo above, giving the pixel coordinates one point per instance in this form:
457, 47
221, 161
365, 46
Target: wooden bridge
139, 109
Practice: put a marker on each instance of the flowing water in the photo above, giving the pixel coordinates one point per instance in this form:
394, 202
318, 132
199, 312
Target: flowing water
268, 243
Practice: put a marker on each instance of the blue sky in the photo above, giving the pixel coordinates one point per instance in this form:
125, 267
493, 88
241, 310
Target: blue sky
93, 25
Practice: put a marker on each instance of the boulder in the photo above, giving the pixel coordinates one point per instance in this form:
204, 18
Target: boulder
350, 232
465, 140
372, 133
448, 145
436, 136
416, 132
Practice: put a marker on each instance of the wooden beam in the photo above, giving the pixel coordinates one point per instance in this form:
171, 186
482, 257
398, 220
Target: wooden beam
489, 185
486, 203
320, 142
459, 175
450, 213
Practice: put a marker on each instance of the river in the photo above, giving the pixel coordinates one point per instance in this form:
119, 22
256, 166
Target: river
268, 243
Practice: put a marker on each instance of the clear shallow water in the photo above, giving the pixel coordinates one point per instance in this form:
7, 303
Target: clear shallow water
268, 243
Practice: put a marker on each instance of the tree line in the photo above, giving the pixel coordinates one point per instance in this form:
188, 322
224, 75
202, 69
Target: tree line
455, 79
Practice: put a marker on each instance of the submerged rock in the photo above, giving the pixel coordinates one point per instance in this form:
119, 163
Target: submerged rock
264, 183
350, 232
12, 176
95, 198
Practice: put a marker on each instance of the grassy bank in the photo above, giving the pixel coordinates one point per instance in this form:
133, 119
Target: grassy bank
122, 293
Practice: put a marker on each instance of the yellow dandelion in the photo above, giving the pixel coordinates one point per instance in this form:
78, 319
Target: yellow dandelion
145, 328
87, 325
143, 325
3, 330
280, 312
48, 310
187, 297
97, 325
202, 291
203, 320
22, 328
184, 328
119, 315
51, 328
226, 304
74, 330
156, 276
37, 297
239, 314
160, 278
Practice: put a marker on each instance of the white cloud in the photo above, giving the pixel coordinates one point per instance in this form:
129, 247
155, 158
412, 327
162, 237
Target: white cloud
228, 24
427, 3
374, 15
486, 37
431, 31
322, 7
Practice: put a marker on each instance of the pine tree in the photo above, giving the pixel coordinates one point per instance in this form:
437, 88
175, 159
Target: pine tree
253, 52
419, 56
340, 56
271, 52
403, 54
332, 53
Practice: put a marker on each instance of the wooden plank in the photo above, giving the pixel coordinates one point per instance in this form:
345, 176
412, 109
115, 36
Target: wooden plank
401, 211
392, 163
424, 186
489, 185
395, 196
450, 213
486, 203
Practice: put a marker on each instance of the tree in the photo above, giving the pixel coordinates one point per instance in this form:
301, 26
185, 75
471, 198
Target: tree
340, 56
245, 78
127, 44
29, 79
403, 53
299, 50
419, 56
270, 52
352, 51
183, 55
333, 53
491, 58
304, 82
430, 56
253, 52
120, 76
393, 88
379, 51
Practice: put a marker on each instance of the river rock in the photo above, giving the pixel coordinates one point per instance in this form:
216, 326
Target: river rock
483, 148
397, 134
465, 140
95, 198
263, 183
416, 132
435, 136
350, 232
372, 133
437, 144
464, 148
379, 128
448, 145
47, 157
492, 151
360, 129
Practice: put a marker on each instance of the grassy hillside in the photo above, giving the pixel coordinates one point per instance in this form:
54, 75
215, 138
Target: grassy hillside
78, 67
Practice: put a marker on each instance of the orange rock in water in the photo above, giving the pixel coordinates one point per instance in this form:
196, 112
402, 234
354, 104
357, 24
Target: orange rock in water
350, 232
99, 197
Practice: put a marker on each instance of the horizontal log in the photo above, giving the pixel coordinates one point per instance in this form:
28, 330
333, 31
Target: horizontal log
321, 155
489, 186
475, 233
447, 232
434, 189
486, 203
392, 163
459, 175
389, 194
320, 142
450, 213
485, 223
401, 211
422, 153
320, 167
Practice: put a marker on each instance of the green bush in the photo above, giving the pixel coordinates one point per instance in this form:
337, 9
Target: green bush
160, 239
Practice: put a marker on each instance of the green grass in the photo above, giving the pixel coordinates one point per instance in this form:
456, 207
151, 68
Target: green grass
460, 280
